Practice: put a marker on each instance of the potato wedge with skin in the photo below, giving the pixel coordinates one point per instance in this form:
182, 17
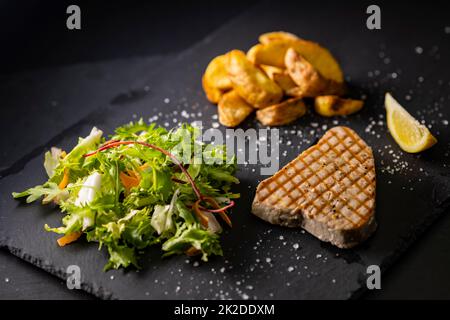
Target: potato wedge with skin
277, 35
282, 79
321, 58
309, 81
272, 53
270, 71
282, 113
251, 53
329, 106
250, 82
215, 80
233, 109
286, 83
212, 94
216, 73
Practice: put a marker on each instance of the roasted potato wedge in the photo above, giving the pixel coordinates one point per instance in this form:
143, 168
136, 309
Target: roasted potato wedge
251, 53
233, 109
282, 113
309, 81
265, 38
270, 71
282, 79
215, 79
212, 94
321, 58
286, 83
271, 54
250, 82
274, 45
216, 73
329, 106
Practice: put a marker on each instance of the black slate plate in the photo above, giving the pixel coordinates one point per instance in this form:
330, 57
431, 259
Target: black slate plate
261, 261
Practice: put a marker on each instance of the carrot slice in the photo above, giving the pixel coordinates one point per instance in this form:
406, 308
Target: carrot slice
128, 181
221, 211
201, 217
65, 180
68, 238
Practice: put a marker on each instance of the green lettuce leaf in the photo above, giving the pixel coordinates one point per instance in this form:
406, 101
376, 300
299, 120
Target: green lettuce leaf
49, 191
200, 239
120, 256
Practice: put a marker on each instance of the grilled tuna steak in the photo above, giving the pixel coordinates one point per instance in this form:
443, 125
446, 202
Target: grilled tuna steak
328, 190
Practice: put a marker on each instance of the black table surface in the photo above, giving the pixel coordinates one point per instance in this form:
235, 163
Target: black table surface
38, 39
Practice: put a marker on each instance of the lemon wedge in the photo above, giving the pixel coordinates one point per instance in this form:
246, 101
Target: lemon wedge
410, 135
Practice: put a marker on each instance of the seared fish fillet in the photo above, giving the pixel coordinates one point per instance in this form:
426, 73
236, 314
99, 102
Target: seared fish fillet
328, 190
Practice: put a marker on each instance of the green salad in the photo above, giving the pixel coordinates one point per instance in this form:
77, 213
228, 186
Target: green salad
144, 186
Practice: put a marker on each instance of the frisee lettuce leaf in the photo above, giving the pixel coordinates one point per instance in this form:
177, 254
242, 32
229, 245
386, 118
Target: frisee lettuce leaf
127, 219
49, 191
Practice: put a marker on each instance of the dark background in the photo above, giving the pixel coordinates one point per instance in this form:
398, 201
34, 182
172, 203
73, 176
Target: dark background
34, 36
